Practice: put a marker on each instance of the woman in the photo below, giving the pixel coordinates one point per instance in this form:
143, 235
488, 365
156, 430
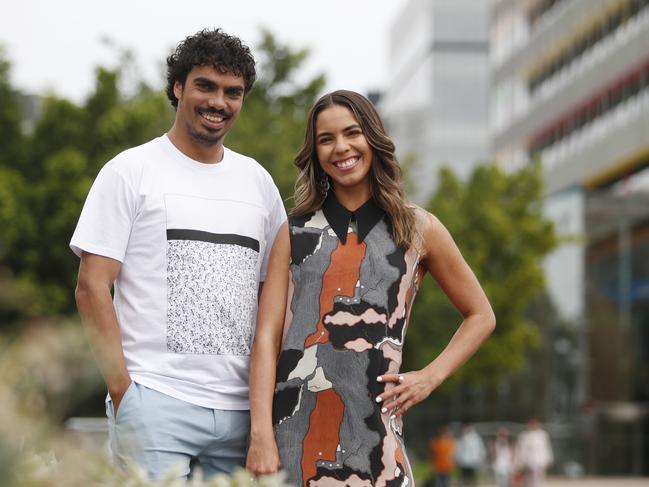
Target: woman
502, 458
534, 453
327, 396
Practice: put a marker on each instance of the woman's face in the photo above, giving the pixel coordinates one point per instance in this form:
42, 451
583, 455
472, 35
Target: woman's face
342, 149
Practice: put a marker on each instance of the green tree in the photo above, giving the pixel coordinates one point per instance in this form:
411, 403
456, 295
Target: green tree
11, 117
42, 195
13, 191
497, 221
11, 155
272, 123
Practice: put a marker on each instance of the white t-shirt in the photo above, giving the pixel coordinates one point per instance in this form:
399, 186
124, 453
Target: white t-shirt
534, 449
193, 240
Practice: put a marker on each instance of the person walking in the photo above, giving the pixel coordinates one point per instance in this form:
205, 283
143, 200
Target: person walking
502, 458
442, 457
470, 455
534, 453
180, 228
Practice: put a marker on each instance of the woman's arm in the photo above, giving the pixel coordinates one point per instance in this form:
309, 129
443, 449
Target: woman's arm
263, 457
443, 260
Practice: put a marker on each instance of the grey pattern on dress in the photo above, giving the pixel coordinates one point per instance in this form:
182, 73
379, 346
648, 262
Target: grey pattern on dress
346, 369
306, 311
375, 267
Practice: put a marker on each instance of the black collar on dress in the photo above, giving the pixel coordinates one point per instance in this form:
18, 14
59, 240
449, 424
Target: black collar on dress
339, 217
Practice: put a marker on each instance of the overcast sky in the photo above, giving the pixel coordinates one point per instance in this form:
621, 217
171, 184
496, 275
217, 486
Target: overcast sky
54, 45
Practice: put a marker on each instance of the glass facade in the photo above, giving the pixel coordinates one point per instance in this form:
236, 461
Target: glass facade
617, 313
575, 96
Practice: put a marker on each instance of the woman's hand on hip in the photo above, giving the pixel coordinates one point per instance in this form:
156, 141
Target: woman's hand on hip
410, 388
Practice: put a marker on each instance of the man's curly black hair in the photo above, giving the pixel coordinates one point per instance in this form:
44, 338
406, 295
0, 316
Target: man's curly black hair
210, 47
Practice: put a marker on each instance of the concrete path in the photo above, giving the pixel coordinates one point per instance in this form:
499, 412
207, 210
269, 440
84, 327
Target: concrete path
599, 482
592, 482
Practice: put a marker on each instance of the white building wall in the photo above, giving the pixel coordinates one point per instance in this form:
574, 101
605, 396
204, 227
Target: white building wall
436, 104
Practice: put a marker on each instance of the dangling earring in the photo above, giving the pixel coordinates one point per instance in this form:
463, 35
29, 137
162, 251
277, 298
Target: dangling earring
324, 186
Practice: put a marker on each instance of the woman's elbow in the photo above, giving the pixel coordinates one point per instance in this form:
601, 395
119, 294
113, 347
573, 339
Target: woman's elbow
490, 321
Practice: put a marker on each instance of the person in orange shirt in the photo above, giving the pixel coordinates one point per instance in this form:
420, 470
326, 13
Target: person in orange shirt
442, 453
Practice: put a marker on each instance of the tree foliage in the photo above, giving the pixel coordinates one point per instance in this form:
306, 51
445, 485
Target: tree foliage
61, 156
496, 219
271, 125
43, 188
11, 117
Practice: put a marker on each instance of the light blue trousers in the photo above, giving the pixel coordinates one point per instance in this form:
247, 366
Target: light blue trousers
167, 436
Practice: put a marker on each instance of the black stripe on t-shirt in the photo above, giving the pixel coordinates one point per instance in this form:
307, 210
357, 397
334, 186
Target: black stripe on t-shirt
217, 238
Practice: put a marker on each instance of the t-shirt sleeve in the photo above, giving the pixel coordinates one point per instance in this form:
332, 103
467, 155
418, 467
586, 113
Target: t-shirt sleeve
276, 217
105, 223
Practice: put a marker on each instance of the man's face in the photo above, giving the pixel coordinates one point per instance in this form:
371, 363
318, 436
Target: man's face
208, 103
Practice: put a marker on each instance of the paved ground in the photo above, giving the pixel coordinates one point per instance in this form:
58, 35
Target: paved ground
92, 433
600, 482
593, 482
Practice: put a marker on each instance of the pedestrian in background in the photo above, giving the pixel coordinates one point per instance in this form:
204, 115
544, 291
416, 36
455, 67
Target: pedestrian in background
502, 458
534, 453
442, 452
470, 455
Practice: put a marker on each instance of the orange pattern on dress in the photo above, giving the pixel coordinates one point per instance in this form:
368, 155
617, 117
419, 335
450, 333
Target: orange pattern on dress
323, 437
399, 456
339, 279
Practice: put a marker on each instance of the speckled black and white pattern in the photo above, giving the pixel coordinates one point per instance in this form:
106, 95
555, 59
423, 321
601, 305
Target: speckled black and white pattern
212, 295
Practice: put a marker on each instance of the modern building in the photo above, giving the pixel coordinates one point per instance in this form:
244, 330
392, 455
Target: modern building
435, 105
570, 88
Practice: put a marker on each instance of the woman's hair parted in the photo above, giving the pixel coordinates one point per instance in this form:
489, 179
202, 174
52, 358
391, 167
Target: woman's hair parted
210, 47
385, 172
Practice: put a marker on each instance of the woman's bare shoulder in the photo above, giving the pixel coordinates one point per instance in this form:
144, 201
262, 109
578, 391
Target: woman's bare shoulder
426, 222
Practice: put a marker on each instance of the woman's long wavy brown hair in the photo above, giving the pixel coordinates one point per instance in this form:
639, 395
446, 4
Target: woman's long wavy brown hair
385, 173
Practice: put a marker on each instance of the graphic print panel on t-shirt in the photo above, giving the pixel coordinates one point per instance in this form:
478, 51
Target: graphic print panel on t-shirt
212, 274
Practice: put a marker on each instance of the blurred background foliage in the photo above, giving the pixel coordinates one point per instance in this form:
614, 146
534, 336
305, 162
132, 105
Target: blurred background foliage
271, 126
50, 155
496, 220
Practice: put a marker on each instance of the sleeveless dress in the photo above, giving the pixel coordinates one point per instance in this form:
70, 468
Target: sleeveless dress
350, 294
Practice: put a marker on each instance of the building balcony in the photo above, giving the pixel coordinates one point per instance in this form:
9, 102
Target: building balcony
621, 53
590, 58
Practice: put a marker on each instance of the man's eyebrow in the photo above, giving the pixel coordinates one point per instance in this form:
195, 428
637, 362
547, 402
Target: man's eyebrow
201, 79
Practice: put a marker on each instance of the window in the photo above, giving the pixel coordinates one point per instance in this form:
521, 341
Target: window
586, 41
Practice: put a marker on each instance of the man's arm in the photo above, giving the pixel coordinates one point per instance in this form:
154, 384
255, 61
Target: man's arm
94, 301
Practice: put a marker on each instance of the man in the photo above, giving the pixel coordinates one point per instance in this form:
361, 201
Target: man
442, 453
182, 228
470, 455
